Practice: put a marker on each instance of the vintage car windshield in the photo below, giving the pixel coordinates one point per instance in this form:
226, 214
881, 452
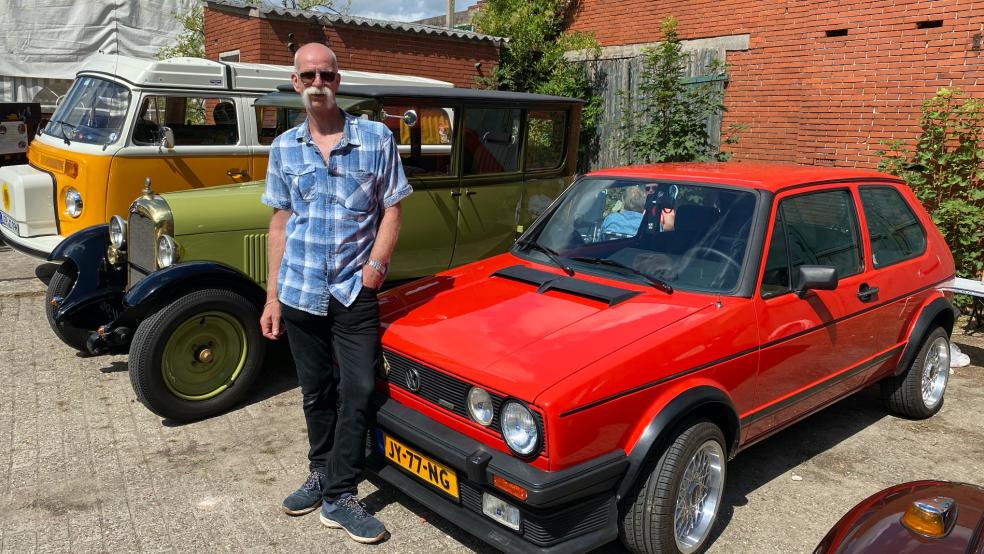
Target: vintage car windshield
690, 236
92, 112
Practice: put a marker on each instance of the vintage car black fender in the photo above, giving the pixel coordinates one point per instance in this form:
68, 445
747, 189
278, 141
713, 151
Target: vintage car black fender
96, 297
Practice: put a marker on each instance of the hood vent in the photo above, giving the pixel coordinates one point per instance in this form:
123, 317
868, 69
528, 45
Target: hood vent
549, 281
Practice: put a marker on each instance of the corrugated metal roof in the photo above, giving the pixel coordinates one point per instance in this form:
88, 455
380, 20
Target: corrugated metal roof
352, 21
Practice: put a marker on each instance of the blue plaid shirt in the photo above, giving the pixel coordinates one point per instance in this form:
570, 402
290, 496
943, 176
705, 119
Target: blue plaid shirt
335, 209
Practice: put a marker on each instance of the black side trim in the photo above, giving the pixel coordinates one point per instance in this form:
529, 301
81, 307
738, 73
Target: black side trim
686, 372
666, 420
820, 387
919, 330
549, 281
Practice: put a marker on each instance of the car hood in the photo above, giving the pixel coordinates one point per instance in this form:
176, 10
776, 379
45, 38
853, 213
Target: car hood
504, 334
234, 207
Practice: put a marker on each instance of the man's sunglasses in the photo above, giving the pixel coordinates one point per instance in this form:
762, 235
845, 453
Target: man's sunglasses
326, 76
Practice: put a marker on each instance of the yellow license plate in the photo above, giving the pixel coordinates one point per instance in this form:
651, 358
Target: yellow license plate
442, 477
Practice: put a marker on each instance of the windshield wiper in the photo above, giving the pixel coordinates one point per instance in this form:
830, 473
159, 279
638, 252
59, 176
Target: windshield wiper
653, 280
554, 257
62, 129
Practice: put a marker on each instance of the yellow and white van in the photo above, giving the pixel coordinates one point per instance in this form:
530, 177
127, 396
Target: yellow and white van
183, 122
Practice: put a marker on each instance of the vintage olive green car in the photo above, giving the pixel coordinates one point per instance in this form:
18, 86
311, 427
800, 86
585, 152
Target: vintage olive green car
181, 279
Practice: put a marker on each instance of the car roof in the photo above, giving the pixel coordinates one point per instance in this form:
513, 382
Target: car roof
285, 95
768, 176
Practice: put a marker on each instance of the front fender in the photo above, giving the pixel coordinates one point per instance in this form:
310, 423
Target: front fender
703, 399
165, 285
98, 290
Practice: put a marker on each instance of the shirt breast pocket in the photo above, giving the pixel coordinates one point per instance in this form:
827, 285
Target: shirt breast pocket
303, 181
359, 194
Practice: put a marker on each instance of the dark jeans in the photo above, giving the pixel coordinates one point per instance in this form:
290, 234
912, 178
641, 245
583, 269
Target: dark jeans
350, 337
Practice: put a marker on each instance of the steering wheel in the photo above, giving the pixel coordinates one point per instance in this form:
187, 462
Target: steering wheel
729, 262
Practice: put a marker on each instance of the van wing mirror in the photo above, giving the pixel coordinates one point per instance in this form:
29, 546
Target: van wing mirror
167, 138
816, 277
410, 118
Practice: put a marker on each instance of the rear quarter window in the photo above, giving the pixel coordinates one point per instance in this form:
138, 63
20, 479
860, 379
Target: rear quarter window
893, 228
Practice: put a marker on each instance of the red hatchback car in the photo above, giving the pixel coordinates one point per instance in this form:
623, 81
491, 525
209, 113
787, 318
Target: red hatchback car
593, 382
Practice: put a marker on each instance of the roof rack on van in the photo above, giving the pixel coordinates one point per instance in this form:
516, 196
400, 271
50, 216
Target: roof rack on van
286, 97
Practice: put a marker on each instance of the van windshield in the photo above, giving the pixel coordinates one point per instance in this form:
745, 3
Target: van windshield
92, 112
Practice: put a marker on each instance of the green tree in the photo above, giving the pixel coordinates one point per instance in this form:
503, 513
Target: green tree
668, 121
533, 58
944, 170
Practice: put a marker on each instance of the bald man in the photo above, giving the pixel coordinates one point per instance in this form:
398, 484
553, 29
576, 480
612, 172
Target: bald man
335, 183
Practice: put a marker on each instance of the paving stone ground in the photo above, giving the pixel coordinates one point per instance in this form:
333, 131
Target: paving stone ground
85, 468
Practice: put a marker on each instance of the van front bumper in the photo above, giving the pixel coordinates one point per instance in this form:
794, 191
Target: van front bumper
571, 510
39, 247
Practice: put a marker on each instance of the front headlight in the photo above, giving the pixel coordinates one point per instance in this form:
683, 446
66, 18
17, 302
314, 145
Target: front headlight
117, 232
480, 406
73, 202
166, 251
519, 429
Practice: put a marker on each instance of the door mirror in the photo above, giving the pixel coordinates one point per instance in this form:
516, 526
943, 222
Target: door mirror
410, 118
167, 138
816, 277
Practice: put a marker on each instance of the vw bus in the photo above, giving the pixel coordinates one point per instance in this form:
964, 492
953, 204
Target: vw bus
179, 278
187, 122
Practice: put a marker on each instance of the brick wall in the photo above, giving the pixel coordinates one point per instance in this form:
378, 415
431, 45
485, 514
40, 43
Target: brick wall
812, 98
264, 40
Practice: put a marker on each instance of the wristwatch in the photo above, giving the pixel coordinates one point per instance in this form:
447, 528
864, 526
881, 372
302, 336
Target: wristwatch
378, 266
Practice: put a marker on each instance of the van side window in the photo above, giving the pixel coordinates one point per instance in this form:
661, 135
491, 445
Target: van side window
491, 140
425, 147
546, 134
822, 229
195, 121
893, 229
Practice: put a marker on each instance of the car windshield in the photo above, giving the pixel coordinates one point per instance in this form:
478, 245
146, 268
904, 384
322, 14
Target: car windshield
688, 236
92, 112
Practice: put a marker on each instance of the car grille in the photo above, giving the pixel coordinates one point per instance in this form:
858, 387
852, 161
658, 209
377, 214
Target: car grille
443, 390
543, 529
141, 247
255, 257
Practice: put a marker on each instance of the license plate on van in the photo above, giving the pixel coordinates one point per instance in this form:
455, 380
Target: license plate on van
8, 222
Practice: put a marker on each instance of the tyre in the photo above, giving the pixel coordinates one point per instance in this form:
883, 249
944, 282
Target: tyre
197, 356
918, 392
674, 506
61, 283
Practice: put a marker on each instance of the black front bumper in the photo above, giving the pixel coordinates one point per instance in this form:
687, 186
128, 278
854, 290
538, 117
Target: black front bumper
572, 510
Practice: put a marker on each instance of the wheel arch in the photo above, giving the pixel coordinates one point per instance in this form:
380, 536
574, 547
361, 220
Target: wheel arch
165, 285
702, 401
938, 312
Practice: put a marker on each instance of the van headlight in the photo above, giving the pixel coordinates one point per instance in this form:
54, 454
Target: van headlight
480, 406
520, 429
167, 251
117, 232
73, 202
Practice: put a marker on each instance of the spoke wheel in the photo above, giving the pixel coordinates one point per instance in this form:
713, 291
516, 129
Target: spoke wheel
918, 392
673, 507
197, 356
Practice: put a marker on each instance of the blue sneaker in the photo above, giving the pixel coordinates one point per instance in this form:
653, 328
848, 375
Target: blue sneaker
305, 499
348, 514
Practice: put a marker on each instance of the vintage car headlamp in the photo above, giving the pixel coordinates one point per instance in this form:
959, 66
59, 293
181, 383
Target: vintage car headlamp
519, 429
480, 406
73, 202
117, 232
167, 251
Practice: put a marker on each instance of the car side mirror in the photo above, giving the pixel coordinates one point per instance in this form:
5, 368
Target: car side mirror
816, 277
410, 118
167, 138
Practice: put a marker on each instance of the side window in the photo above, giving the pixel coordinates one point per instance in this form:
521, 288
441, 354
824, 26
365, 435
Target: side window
195, 121
893, 229
546, 134
425, 148
491, 140
775, 279
266, 124
822, 229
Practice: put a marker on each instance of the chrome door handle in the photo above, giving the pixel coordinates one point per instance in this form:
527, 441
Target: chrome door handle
470, 192
455, 193
234, 172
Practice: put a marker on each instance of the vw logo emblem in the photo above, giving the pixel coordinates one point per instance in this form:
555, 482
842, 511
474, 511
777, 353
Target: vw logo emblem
413, 379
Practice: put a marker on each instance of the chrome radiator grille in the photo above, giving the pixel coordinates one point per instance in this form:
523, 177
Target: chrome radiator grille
141, 247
